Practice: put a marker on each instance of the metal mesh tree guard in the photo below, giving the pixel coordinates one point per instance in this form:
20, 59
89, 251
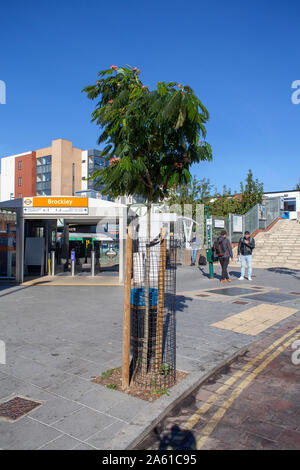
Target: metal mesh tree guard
153, 327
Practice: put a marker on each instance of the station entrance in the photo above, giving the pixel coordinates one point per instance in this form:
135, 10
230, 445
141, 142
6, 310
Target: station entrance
67, 237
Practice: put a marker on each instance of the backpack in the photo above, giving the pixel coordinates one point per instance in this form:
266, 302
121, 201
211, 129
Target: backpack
218, 248
202, 260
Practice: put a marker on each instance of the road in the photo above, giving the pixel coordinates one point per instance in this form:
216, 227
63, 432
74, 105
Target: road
253, 403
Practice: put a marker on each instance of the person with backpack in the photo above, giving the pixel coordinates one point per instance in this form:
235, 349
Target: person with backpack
245, 248
195, 245
223, 251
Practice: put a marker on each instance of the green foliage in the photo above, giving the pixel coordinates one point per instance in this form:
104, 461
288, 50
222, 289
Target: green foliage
151, 137
165, 369
252, 193
112, 386
107, 374
298, 186
220, 203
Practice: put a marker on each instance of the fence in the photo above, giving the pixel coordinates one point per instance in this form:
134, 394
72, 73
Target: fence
258, 217
153, 330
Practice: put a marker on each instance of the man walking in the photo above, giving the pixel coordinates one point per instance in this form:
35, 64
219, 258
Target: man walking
245, 248
195, 245
223, 250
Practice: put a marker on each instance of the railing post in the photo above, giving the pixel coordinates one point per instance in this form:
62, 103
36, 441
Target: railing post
93, 262
52, 263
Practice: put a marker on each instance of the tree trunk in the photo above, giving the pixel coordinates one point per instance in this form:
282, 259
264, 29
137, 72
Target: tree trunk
147, 286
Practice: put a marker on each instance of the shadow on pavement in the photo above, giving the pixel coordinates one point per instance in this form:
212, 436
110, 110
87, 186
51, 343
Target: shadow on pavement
176, 439
288, 271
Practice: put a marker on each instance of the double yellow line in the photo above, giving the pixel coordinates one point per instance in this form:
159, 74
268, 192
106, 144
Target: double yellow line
212, 423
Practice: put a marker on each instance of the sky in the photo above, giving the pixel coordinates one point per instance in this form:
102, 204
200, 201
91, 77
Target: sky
240, 57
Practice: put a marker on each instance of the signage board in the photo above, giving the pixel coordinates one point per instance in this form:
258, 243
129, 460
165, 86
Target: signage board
55, 201
237, 223
55, 205
56, 210
219, 223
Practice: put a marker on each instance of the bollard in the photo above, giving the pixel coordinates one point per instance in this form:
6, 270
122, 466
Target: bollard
92, 263
72, 263
52, 263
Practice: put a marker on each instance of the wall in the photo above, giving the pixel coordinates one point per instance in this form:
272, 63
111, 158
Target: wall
288, 194
63, 155
7, 178
84, 170
28, 175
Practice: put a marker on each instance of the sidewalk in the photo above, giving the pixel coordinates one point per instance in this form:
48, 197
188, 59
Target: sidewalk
58, 339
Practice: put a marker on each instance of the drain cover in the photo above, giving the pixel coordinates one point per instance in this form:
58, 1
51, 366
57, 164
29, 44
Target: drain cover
202, 295
17, 407
239, 302
294, 293
232, 291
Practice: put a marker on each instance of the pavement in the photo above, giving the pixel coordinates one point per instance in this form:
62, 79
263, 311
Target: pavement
58, 339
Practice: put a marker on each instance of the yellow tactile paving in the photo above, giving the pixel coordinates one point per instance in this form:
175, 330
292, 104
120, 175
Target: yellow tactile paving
255, 319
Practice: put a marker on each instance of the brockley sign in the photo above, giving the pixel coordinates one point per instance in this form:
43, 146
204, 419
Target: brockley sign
55, 205
55, 202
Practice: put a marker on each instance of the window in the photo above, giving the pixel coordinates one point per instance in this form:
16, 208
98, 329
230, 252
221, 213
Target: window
20, 181
20, 165
20, 195
290, 204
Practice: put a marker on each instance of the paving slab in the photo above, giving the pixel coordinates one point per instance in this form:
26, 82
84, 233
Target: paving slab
58, 338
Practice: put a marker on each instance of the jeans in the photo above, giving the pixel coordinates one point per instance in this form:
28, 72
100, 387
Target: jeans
244, 259
224, 261
194, 255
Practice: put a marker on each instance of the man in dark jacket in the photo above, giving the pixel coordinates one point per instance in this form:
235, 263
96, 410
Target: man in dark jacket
245, 248
224, 252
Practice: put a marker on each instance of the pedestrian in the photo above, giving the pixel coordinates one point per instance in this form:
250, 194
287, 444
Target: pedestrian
223, 250
245, 249
195, 245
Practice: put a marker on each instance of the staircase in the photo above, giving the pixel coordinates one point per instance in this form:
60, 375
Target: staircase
279, 247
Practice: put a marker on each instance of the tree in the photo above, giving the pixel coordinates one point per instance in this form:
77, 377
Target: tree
252, 193
151, 138
192, 193
224, 203
298, 186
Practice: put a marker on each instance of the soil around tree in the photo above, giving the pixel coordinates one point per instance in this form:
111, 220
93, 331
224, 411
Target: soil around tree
112, 379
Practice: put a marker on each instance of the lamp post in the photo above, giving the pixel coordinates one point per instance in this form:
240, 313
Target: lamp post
209, 251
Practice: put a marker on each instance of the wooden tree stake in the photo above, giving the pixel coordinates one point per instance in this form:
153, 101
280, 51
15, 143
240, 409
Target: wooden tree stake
160, 300
126, 327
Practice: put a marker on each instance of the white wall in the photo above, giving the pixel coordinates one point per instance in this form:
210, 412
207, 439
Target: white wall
7, 186
288, 194
84, 170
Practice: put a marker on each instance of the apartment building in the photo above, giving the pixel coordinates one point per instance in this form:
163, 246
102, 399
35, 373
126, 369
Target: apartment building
59, 169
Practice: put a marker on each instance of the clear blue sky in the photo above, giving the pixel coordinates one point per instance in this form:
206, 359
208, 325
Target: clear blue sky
239, 56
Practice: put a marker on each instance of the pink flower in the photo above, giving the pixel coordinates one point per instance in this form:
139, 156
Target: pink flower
97, 83
114, 67
110, 101
114, 160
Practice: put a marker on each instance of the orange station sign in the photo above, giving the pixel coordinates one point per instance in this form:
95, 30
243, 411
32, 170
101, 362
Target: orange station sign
62, 201
55, 205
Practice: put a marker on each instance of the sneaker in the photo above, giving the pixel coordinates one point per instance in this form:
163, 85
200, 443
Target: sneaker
223, 280
241, 278
249, 278
228, 280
